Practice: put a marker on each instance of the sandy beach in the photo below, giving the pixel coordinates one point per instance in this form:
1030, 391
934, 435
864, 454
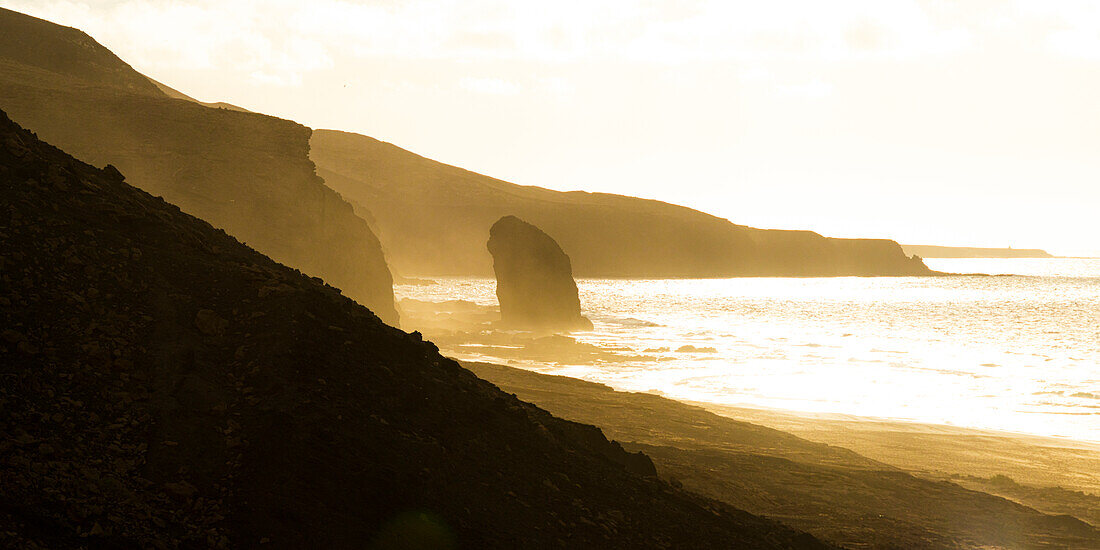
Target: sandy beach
836, 476
940, 450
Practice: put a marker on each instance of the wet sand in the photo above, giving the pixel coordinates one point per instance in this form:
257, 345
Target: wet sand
941, 450
825, 456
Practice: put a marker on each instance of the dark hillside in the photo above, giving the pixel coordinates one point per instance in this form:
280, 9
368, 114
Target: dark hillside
166, 386
65, 50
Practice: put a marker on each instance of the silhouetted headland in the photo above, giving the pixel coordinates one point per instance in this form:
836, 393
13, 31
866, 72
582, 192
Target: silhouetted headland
431, 218
535, 286
931, 251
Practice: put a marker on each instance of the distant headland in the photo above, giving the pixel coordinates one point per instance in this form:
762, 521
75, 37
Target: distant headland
931, 251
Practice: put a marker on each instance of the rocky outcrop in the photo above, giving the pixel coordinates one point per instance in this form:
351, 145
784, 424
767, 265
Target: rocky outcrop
535, 285
247, 173
165, 386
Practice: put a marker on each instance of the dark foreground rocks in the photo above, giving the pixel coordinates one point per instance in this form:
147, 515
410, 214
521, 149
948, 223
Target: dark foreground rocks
535, 285
164, 386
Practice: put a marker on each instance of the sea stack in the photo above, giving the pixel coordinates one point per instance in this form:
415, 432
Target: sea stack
535, 285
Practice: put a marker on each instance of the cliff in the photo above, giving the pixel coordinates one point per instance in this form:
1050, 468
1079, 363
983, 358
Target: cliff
432, 218
247, 173
166, 386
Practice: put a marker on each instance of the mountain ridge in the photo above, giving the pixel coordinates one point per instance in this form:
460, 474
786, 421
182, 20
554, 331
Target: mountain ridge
72, 52
176, 94
607, 235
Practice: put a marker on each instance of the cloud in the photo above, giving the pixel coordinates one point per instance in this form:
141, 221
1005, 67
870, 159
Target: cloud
808, 90
1081, 43
491, 86
208, 32
164, 36
556, 86
283, 41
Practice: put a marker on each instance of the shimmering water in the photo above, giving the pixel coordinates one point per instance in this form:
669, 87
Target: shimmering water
1018, 353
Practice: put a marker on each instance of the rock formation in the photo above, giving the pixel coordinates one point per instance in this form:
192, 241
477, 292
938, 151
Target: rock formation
535, 285
164, 386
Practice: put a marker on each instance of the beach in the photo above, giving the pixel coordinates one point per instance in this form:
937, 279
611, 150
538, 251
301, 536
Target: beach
829, 475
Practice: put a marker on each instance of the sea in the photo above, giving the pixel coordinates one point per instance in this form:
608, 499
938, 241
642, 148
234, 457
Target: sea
1014, 349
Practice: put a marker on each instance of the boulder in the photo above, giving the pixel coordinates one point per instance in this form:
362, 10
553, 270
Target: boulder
535, 285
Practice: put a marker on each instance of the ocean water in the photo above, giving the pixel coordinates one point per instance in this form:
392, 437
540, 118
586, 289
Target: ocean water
1017, 352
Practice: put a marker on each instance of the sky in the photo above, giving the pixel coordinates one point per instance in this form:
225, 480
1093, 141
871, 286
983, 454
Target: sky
971, 123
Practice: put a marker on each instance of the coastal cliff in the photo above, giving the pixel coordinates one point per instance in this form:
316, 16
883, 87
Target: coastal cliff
247, 173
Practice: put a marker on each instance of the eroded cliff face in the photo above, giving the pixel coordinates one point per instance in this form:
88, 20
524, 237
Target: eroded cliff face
166, 386
535, 286
432, 217
247, 173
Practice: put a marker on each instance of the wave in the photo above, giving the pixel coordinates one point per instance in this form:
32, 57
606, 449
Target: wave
623, 321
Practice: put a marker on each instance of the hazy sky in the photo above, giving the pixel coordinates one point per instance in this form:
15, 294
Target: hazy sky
970, 123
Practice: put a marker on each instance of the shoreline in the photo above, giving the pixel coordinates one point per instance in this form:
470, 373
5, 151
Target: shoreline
828, 476
929, 449
935, 450
940, 450
793, 419
802, 421
465, 328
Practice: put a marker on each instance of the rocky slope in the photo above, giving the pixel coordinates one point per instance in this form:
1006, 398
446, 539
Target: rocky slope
432, 218
165, 386
247, 173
